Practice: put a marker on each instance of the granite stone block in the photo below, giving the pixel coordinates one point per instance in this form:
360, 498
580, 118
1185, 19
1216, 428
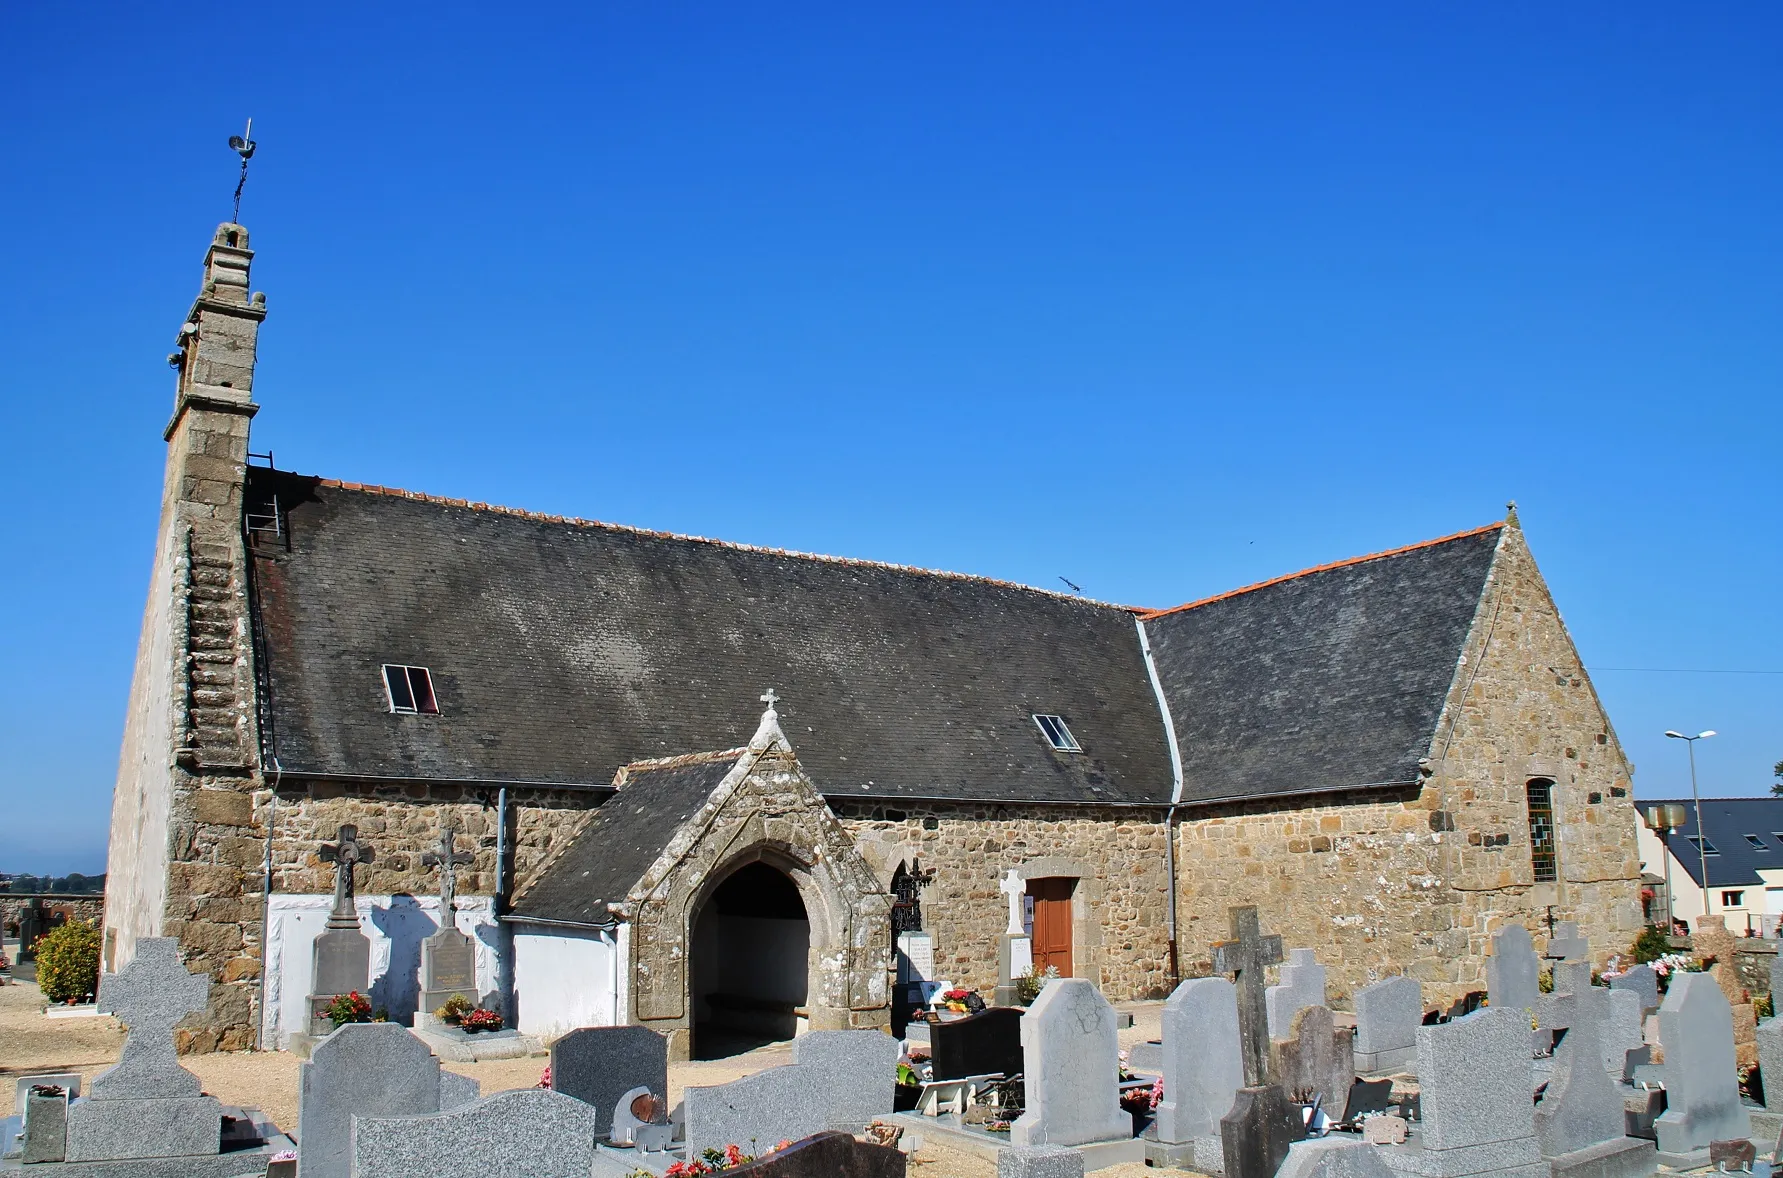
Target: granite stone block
118, 1129
1071, 1054
46, 1128
533, 1132
1623, 1157
1701, 1085
1202, 1064
1581, 1105
359, 1070
1039, 1161
836, 1079
598, 1065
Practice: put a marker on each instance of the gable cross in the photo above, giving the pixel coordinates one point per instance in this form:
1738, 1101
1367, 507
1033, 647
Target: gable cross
448, 859
344, 852
768, 697
1245, 955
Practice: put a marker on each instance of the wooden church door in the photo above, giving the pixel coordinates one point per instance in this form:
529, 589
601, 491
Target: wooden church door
1052, 923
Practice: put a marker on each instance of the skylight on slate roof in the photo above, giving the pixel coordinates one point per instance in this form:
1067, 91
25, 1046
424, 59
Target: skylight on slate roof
1702, 844
410, 690
1757, 843
1057, 735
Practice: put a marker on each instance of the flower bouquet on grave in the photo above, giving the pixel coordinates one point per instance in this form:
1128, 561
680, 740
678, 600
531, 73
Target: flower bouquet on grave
480, 1019
956, 1000
453, 1012
351, 1007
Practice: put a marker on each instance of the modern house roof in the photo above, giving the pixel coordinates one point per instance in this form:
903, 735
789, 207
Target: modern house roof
1745, 834
561, 649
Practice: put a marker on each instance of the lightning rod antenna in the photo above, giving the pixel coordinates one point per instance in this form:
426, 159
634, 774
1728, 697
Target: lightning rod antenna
243, 146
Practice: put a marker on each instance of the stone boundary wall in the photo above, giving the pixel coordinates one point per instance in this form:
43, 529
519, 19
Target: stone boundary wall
86, 906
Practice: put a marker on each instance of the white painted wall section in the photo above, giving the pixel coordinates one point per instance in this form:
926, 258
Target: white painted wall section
565, 979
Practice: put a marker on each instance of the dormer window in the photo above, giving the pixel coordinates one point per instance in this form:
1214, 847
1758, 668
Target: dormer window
1057, 735
410, 690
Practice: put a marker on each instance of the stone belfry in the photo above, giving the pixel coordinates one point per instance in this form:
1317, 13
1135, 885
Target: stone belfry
186, 848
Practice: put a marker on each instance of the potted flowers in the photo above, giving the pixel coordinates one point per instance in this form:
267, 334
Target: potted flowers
453, 1012
351, 1007
480, 1019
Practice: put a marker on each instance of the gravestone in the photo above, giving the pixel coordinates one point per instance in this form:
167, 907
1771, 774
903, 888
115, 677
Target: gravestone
1581, 1106
1513, 972
1260, 1126
1015, 948
838, 1079
1039, 1161
1203, 1068
1388, 1015
147, 1105
1474, 1110
827, 1155
1770, 1061
341, 955
600, 1064
1071, 1060
1302, 985
531, 1131
1317, 1062
1702, 1090
1565, 943
1641, 980
448, 957
364, 1070
1776, 971
1619, 1028
978, 1045
1333, 1157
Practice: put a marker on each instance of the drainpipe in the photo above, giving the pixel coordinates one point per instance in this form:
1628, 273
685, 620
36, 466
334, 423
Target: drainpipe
272, 819
1170, 871
1151, 670
504, 969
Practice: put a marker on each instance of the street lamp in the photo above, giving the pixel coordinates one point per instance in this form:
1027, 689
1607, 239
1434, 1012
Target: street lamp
1702, 838
1663, 820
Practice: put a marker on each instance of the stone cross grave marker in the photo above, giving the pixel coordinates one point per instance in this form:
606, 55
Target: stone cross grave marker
1702, 1090
1015, 887
1388, 1015
1513, 972
1256, 1133
1565, 943
598, 1065
1203, 1067
147, 1105
1475, 1080
341, 955
1071, 1056
1302, 985
448, 957
1318, 1061
1581, 1106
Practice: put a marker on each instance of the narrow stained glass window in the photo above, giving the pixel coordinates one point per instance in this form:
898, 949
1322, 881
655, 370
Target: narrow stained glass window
1541, 831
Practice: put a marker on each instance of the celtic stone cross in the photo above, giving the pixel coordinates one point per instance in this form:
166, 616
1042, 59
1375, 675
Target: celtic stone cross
1245, 955
344, 852
448, 860
150, 996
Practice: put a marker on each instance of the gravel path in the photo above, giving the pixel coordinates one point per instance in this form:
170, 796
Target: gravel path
267, 1080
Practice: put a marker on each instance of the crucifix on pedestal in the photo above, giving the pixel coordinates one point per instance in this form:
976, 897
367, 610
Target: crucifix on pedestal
344, 853
448, 958
341, 955
448, 859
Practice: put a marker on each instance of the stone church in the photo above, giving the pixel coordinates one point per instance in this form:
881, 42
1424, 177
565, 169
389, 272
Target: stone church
702, 781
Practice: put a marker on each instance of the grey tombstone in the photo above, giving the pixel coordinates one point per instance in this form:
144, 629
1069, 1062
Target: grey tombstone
1475, 1080
1388, 1015
838, 1079
1619, 1028
448, 958
147, 1106
600, 1064
1565, 943
69, 1081
1770, 1061
1581, 1106
1641, 980
1333, 1157
1203, 1068
1513, 972
456, 1091
1039, 1161
1318, 1062
1776, 976
1071, 1053
533, 1132
341, 954
1702, 1089
1302, 985
361, 1069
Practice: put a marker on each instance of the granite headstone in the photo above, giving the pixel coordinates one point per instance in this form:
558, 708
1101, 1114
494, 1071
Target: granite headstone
1317, 1062
837, 1080
1580, 1106
365, 1070
1203, 1066
978, 1045
1770, 1061
1071, 1060
1513, 972
826, 1155
1039, 1161
1702, 1089
1302, 985
600, 1064
531, 1131
1333, 1157
1475, 1116
1640, 980
1388, 1015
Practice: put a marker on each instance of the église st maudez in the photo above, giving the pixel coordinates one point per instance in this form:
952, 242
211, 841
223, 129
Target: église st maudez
1392, 756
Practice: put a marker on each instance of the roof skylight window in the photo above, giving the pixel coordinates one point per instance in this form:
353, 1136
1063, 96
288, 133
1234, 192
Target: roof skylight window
1057, 735
410, 690
1757, 843
1702, 844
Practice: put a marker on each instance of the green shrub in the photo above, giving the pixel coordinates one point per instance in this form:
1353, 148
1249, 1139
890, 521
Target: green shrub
68, 962
1651, 945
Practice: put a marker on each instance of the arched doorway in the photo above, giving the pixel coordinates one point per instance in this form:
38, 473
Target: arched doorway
750, 962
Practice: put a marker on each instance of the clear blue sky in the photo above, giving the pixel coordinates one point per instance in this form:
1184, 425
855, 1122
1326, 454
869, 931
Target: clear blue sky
1163, 298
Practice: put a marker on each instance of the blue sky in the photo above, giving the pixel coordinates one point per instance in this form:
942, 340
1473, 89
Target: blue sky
1163, 298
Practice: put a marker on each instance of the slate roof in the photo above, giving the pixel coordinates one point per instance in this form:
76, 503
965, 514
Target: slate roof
1728, 822
1332, 678
561, 650
625, 836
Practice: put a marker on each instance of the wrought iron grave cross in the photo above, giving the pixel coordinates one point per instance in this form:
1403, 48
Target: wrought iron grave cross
448, 860
344, 852
1245, 955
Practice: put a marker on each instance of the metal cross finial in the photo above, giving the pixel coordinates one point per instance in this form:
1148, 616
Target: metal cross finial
243, 146
768, 697
344, 852
448, 859
1245, 955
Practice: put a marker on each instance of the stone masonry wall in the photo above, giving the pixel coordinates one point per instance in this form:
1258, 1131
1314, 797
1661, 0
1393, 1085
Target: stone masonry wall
1122, 891
76, 905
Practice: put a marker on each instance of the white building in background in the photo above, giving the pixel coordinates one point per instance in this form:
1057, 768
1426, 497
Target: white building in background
1742, 847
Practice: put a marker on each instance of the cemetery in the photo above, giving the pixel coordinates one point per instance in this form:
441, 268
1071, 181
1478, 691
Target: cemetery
1557, 1070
